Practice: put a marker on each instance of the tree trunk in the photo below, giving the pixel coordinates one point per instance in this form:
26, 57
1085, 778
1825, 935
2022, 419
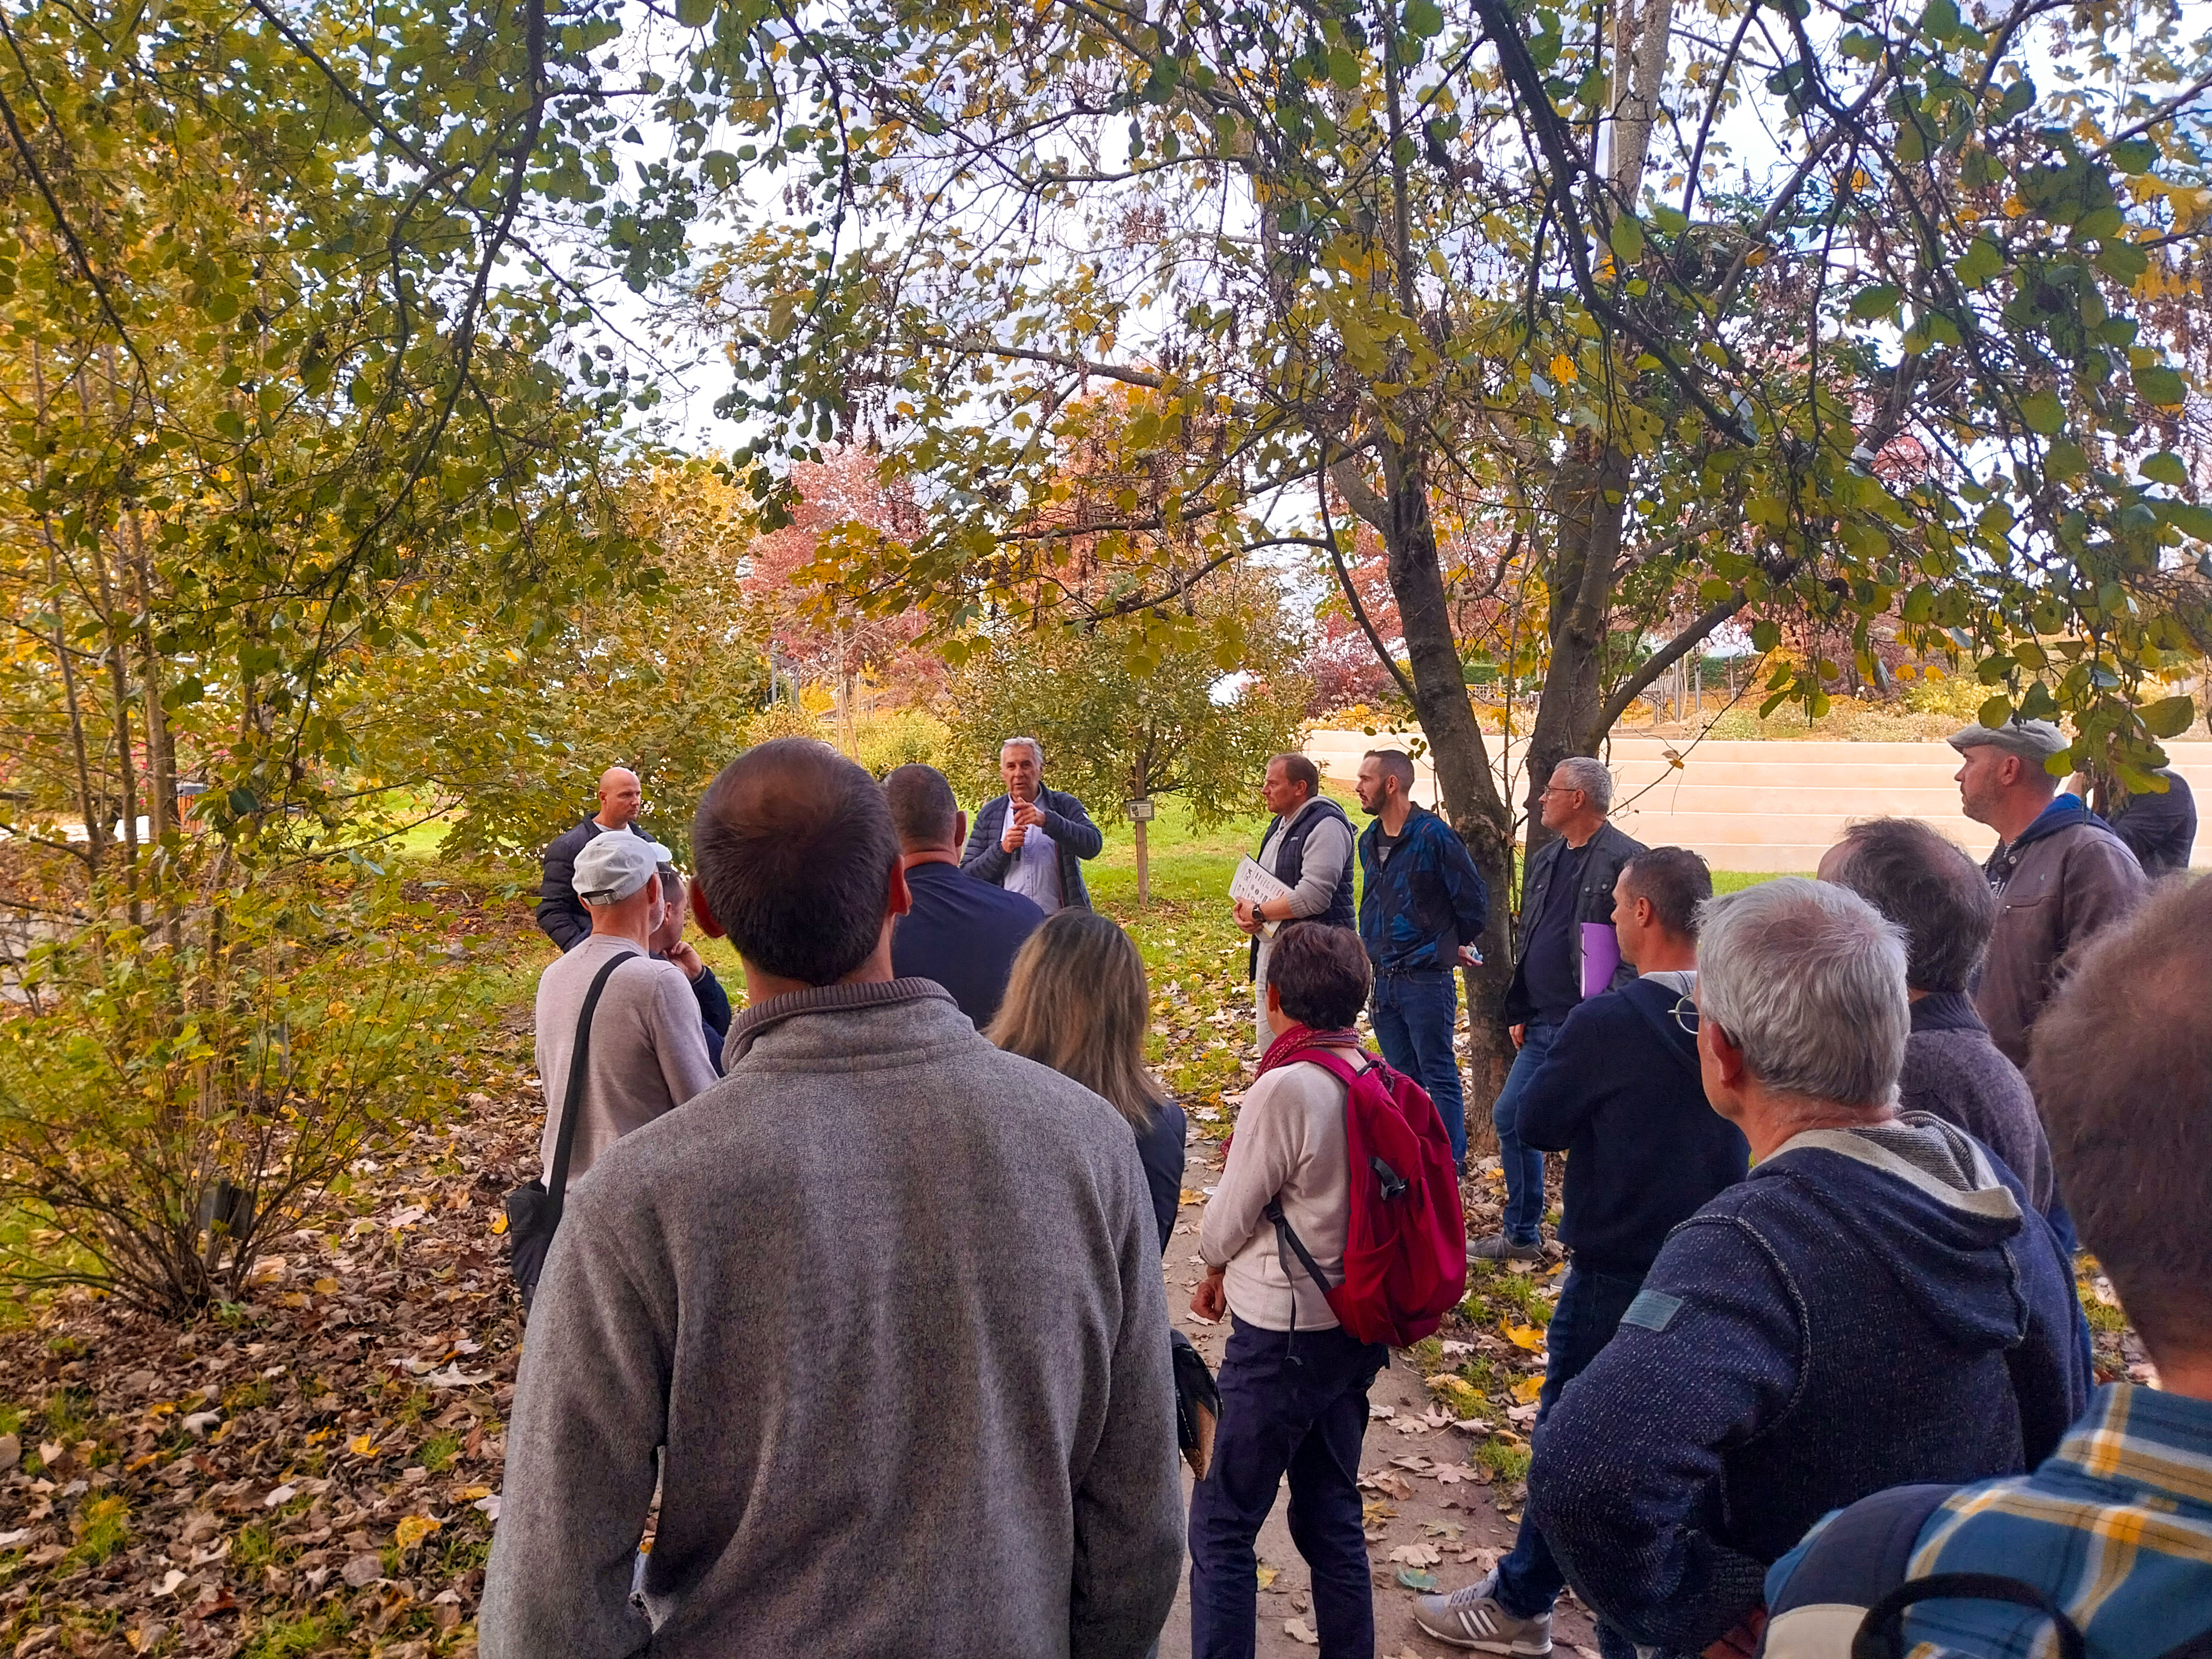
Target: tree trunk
1589, 497
1144, 868
1468, 788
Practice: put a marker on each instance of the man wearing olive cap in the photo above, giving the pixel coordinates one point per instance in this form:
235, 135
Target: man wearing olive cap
647, 1052
2059, 872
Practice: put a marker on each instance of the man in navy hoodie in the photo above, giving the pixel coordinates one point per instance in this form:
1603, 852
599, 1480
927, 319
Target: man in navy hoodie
1622, 1094
1879, 1303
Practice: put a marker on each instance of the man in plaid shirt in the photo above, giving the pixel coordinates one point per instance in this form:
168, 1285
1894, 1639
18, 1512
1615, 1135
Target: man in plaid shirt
2115, 1528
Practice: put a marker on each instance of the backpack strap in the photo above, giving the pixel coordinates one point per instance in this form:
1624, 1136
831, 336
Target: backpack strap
557, 1178
1288, 1244
1864, 1552
1881, 1635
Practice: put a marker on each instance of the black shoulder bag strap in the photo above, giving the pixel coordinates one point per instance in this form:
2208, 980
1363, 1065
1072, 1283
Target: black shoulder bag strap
557, 1178
1881, 1633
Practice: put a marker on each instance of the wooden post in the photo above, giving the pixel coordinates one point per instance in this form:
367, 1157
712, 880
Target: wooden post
1143, 870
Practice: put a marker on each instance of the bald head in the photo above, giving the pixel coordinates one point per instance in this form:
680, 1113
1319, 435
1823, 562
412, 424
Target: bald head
796, 853
620, 797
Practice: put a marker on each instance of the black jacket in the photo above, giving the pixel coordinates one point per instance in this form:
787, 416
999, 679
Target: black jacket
1074, 837
560, 913
1608, 850
2159, 830
1621, 1096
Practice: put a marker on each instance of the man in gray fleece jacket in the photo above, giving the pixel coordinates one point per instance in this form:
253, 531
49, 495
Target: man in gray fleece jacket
885, 1301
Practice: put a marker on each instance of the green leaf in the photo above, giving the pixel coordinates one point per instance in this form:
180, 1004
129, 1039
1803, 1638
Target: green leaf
2064, 462
2164, 467
2135, 156
1995, 712
2043, 412
695, 13
1879, 301
1940, 21
2160, 386
2192, 520
1344, 70
1424, 19
2169, 717
1982, 260
1765, 635
2122, 261
1627, 239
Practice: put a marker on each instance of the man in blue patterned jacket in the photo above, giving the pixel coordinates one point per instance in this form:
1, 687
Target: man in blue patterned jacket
1422, 908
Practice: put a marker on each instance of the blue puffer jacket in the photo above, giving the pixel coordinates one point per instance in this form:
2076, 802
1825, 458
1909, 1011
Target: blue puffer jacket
1427, 901
1841, 1321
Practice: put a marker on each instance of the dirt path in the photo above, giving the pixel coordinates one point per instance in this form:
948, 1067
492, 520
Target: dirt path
1424, 1494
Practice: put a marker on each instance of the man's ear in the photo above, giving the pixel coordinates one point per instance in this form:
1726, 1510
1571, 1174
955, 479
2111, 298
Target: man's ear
1726, 1055
700, 912
960, 830
901, 897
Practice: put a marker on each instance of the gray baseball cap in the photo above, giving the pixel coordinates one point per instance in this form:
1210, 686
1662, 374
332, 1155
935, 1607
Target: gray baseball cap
613, 866
2031, 740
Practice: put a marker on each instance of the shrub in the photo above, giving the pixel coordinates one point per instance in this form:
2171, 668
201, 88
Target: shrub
173, 1093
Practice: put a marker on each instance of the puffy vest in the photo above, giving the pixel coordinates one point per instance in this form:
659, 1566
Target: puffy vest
1290, 864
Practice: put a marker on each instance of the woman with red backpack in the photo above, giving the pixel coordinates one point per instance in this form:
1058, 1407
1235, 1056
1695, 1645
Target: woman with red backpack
1319, 1269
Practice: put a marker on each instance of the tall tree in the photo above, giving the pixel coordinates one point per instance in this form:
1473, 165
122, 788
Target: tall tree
1796, 311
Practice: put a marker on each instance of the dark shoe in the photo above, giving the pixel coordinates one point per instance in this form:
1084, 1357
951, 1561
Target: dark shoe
1498, 1247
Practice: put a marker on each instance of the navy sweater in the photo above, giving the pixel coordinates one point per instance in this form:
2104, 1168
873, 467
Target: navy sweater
1620, 1095
1841, 1321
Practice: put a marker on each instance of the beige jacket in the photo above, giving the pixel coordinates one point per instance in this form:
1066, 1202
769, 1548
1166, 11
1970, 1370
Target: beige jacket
1289, 1142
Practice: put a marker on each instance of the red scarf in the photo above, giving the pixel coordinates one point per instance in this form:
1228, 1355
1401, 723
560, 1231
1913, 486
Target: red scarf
1285, 1049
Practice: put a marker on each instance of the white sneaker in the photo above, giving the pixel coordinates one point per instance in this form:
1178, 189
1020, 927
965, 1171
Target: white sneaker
1471, 1618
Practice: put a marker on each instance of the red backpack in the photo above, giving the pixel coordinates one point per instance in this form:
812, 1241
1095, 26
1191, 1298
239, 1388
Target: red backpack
1405, 1243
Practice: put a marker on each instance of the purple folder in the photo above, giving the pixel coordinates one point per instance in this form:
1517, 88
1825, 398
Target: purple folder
1601, 956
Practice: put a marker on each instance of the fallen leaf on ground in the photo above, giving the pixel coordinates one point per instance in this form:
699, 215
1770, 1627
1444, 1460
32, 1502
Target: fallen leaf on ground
413, 1529
1298, 1631
1525, 1392
1416, 1555
1268, 1575
1523, 1336
362, 1570
1416, 1581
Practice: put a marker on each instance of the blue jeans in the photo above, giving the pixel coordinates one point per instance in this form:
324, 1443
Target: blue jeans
1590, 1306
1523, 1166
1292, 1402
1413, 1015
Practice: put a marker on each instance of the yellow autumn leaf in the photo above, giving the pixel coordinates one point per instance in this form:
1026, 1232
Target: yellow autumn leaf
499, 1222
413, 1529
1526, 1391
362, 1444
1268, 1575
326, 1287
1562, 368
1523, 1336
469, 1494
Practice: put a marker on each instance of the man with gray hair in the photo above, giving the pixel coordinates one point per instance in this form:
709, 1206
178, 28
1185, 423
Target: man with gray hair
2060, 873
1567, 951
1878, 1304
1032, 839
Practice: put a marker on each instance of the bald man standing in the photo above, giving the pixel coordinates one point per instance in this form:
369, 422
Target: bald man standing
560, 913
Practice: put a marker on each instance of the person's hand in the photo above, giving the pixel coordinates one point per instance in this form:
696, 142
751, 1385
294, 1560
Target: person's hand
1518, 1033
1028, 815
1016, 833
1469, 957
686, 958
1248, 916
1742, 1642
1211, 1299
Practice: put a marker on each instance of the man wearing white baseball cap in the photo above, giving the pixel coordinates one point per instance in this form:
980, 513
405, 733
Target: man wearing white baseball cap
646, 1052
2060, 873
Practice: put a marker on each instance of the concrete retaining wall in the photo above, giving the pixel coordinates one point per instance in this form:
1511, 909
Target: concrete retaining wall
1767, 807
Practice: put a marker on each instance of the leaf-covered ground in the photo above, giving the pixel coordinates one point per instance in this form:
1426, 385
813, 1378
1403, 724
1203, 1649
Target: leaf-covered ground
316, 1470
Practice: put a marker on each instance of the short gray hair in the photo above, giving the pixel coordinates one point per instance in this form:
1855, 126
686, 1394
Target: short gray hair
1591, 777
1808, 979
1035, 748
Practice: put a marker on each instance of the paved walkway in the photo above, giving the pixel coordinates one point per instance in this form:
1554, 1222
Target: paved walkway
1769, 806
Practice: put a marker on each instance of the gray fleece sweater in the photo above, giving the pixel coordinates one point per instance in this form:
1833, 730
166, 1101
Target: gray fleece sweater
891, 1300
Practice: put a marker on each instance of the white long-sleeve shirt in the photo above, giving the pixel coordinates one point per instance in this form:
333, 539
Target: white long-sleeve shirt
1289, 1143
